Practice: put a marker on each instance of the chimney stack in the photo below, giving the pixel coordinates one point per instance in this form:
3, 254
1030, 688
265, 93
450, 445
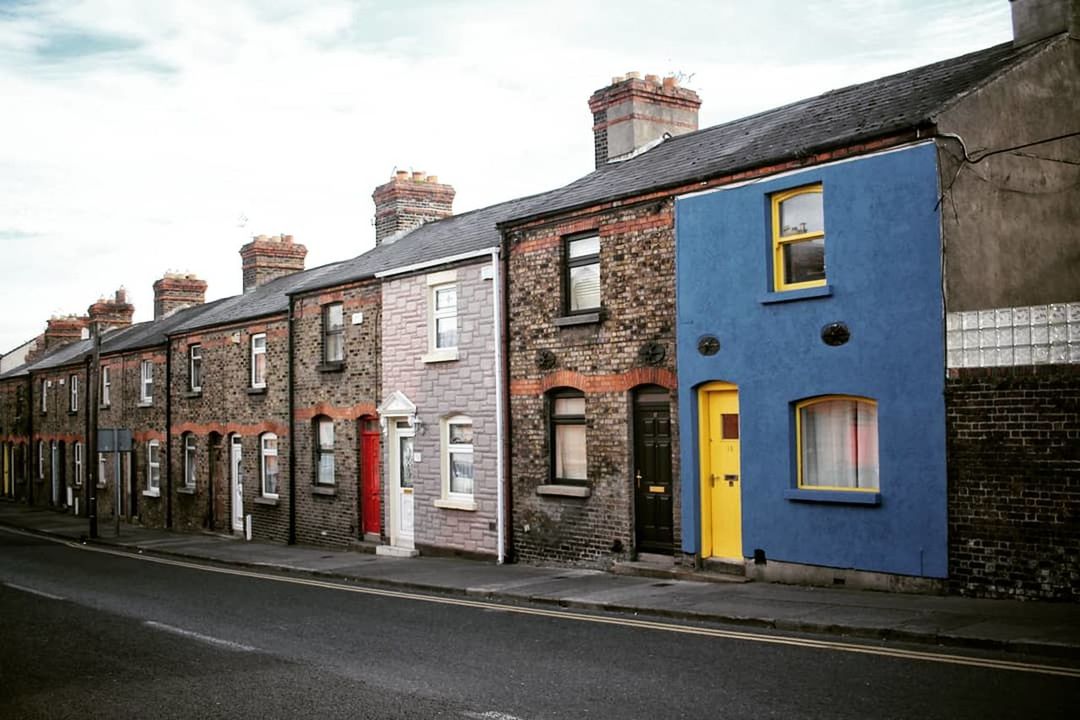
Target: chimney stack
116, 312
408, 201
63, 330
631, 112
175, 291
1037, 19
267, 258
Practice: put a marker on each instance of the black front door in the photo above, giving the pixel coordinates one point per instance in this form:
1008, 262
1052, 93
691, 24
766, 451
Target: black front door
652, 475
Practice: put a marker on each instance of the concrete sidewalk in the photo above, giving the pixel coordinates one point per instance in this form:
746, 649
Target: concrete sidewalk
1049, 629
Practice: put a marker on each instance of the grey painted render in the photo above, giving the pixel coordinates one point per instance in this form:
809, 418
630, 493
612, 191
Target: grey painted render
465, 386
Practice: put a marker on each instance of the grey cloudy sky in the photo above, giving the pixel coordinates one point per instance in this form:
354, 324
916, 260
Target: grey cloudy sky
135, 135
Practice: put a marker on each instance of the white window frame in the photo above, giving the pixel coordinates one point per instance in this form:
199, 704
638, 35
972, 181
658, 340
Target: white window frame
325, 451
264, 453
106, 386
436, 283
190, 451
41, 459
329, 331
102, 474
195, 367
73, 393
146, 383
78, 464
256, 352
450, 499
153, 469
44, 398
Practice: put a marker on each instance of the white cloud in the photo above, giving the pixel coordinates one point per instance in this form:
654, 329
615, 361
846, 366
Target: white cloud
137, 133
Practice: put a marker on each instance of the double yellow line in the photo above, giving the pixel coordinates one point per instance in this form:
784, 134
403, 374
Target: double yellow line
768, 639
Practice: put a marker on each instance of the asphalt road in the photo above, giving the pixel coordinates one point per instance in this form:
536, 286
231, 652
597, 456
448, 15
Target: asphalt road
96, 634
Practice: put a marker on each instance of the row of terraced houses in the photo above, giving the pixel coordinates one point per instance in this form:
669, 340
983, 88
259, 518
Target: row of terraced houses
835, 342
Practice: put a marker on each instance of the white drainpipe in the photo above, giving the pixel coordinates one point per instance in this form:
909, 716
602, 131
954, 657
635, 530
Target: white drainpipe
500, 512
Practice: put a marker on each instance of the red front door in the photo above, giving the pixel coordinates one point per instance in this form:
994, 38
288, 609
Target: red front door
370, 510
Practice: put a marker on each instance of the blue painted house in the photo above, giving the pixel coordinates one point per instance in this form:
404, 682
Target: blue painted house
819, 271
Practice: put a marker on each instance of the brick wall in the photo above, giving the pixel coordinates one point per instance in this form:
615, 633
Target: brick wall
14, 428
59, 426
345, 393
602, 359
1014, 481
465, 386
226, 406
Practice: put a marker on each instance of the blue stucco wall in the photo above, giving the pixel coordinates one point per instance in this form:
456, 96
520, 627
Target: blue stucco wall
883, 263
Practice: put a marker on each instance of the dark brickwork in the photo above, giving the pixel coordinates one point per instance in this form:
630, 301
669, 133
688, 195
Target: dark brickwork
602, 360
15, 396
345, 392
267, 258
1014, 482
177, 290
600, 148
57, 427
226, 406
408, 201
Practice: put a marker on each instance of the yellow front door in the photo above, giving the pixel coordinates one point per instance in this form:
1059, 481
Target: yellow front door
721, 482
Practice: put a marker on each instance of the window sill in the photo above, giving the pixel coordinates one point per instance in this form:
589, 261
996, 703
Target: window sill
448, 504
589, 318
574, 491
145, 404
193, 394
151, 493
439, 356
256, 390
842, 497
106, 406
331, 367
185, 491
325, 490
792, 295
268, 501
73, 412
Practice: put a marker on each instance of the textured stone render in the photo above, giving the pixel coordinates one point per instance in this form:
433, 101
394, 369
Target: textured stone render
330, 516
1014, 481
14, 431
601, 359
227, 406
465, 386
146, 422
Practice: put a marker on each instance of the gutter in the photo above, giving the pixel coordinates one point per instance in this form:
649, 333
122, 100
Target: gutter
168, 433
493, 251
502, 366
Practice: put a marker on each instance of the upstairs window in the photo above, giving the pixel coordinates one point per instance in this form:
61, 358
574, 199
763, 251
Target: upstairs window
106, 386
189, 461
268, 445
195, 368
569, 459
44, 396
798, 239
444, 326
324, 451
582, 275
73, 393
146, 382
258, 360
838, 443
333, 333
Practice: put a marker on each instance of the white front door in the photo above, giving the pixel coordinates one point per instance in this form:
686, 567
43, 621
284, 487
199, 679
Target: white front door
402, 487
236, 476
54, 470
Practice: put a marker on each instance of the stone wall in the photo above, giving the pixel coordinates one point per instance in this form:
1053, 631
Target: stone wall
1014, 481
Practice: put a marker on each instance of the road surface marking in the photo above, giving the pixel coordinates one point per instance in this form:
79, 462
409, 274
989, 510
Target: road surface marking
227, 644
835, 646
490, 715
32, 591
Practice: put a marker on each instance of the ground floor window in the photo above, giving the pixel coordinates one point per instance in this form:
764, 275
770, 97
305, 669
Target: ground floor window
569, 460
269, 465
838, 443
458, 457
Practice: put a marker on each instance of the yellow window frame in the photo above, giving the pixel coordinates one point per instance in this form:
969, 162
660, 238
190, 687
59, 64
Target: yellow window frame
779, 243
799, 440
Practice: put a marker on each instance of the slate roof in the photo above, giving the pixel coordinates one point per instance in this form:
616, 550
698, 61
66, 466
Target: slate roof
153, 332
836, 118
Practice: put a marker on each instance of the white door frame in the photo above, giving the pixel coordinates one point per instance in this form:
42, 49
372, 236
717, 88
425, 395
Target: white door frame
54, 475
236, 481
400, 498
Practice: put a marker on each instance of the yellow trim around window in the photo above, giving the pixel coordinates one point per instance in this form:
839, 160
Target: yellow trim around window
798, 442
778, 242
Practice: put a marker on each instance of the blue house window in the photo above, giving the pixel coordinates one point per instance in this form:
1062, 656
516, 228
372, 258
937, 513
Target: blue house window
837, 444
798, 239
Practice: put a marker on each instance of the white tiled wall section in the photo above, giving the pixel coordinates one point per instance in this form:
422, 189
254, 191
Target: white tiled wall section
1035, 335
